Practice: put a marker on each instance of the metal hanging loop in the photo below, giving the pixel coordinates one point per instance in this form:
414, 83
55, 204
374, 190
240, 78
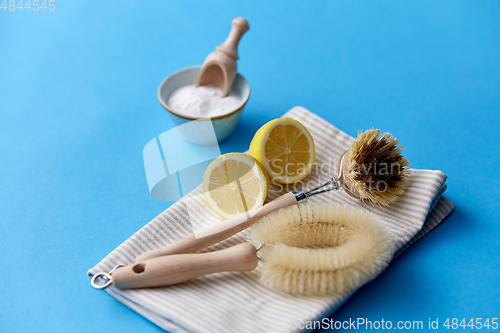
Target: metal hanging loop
103, 280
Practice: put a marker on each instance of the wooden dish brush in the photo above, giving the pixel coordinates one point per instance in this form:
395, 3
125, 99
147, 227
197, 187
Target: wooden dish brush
372, 169
319, 249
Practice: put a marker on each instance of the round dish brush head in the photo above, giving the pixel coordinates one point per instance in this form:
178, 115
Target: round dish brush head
376, 167
321, 249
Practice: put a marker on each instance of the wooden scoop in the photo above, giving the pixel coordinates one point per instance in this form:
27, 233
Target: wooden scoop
219, 68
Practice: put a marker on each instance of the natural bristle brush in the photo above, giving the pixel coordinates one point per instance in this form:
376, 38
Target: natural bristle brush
319, 249
389, 176
372, 169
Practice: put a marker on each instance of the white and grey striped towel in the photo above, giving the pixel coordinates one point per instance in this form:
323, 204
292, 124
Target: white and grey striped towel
227, 300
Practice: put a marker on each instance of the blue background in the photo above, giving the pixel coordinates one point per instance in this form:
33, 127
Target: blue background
78, 104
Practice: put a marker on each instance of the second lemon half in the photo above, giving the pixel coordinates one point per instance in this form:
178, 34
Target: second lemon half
286, 149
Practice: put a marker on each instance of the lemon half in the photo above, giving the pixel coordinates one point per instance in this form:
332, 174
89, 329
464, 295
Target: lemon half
286, 149
235, 183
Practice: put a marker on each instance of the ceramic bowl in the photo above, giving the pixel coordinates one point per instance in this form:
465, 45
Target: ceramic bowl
201, 132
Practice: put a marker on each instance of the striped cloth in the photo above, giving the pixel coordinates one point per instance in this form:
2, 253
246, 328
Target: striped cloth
238, 300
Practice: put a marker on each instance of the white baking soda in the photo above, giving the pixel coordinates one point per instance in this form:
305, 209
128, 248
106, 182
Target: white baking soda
202, 101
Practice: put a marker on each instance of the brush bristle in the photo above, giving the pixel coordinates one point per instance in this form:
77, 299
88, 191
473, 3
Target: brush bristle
321, 249
376, 167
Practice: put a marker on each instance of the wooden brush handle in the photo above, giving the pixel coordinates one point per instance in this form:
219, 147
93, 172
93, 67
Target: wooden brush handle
230, 46
220, 231
167, 270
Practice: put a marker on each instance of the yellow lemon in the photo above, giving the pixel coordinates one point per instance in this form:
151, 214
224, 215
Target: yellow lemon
285, 148
235, 183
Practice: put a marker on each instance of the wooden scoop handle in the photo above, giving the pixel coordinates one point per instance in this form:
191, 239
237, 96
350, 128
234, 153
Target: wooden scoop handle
220, 231
230, 47
167, 270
